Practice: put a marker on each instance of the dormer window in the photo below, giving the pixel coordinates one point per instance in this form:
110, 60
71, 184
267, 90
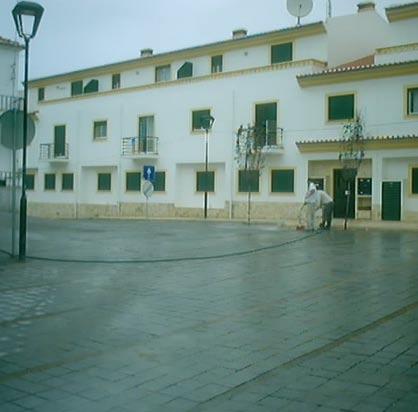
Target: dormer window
163, 73
281, 53
77, 88
41, 94
92, 86
185, 71
216, 64
116, 81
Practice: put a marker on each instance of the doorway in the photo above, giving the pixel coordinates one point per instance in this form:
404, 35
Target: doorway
391, 200
340, 199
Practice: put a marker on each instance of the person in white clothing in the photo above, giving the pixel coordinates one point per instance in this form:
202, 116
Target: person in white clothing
312, 204
327, 205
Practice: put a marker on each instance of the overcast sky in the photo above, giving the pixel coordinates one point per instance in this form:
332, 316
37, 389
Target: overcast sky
76, 34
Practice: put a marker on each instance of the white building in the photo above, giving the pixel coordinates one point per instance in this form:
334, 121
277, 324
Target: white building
97, 128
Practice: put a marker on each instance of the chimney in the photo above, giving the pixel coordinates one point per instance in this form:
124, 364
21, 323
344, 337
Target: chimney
365, 6
239, 33
146, 52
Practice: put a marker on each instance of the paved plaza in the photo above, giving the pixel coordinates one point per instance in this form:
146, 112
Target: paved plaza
128, 315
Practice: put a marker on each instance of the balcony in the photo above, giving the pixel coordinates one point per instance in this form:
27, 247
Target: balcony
54, 153
270, 138
140, 147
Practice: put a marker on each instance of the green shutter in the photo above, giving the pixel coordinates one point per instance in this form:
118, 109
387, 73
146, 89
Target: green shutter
30, 182
203, 184
391, 201
414, 183
59, 141
283, 181
41, 94
133, 181
159, 183
186, 70
92, 86
281, 53
197, 118
77, 88
116, 81
49, 181
413, 101
104, 181
266, 123
341, 107
248, 179
67, 181
216, 66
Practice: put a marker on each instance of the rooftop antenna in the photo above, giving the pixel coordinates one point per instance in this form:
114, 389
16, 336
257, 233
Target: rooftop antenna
299, 8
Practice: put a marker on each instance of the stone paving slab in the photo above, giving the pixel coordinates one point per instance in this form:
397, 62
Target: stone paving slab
325, 322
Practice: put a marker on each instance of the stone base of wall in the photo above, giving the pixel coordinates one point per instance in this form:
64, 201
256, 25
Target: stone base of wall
52, 210
411, 217
266, 210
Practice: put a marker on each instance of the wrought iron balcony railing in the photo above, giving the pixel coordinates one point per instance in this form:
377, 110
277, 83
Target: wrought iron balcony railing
52, 152
269, 136
140, 146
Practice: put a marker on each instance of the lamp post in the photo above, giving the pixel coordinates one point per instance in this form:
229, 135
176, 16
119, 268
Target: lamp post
206, 123
27, 16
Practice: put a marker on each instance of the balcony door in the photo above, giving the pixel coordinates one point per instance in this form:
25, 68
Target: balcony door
146, 134
59, 141
266, 123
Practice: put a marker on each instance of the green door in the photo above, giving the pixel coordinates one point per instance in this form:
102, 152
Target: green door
59, 141
340, 199
391, 201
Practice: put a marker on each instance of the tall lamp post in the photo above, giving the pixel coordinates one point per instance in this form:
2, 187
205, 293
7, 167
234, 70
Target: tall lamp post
206, 123
27, 16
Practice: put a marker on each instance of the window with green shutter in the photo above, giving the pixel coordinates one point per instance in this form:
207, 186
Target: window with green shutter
205, 182
41, 94
49, 182
104, 181
341, 107
216, 64
414, 180
283, 181
413, 100
197, 116
266, 124
116, 81
186, 70
92, 86
163, 73
77, 88
281, 53
67, 181
248, 180
133, 182
30, 181
159, 183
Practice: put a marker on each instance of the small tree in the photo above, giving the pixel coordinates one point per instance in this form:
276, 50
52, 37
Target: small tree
351, 155
250, 156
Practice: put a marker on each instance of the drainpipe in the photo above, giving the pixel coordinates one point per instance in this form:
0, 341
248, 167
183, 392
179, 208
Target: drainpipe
231, 185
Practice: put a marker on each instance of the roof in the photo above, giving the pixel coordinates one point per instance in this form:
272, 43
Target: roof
365, 139
11, 43
255, 39
402, 12
351, 73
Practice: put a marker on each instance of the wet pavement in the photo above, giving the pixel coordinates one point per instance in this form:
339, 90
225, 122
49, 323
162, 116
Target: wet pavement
208, 316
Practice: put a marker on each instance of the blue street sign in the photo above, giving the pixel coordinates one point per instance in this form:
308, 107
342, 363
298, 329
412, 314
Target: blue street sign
149, 173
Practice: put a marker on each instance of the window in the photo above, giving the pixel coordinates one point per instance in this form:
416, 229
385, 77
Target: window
49, 181
116, 81
266, 124
162, 73
281, 53
41, 94
92, 86
133, 182
248, 180
30, 181
67, 181
205, 182
282, 181
159, 183
216, 64
197, 116
319, 182
414, 181
185, 71
100, 129
59, 141
77, 88
413, 100
341, 107
104, 181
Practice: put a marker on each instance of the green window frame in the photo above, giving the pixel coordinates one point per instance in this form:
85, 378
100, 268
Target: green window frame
341, 107
283, 181
414, 180
200, 181
41, 94
67, 182
186, 70
133, 181
116, 81
281, 53
77, 88
197, 116
100, 129
412, 94
217, 64
253, 183
30, 181
92, 86
104, 182
163, 73
49, 181
266, 124
159, 183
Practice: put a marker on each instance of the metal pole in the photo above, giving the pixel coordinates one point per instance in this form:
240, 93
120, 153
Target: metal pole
347, 204
206, 175
23, 200
14, 215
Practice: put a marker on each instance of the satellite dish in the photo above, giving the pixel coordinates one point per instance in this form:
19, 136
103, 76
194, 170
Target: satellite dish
11, 124
299, 8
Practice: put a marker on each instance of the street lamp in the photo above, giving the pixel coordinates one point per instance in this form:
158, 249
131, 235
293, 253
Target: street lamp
206, 123
27, 16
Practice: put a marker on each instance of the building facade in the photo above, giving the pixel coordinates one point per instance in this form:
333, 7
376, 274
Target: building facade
97, 128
